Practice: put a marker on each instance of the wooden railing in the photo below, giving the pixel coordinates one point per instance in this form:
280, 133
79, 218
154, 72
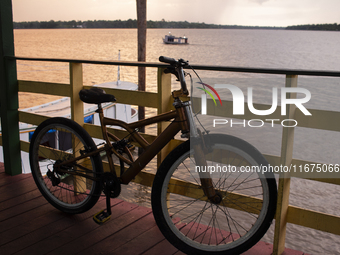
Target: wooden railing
162, 102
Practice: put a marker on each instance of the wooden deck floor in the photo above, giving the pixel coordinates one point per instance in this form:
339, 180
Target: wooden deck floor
30, 225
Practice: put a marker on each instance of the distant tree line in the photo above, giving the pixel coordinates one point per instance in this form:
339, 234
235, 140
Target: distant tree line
319, 27
47, 24
131, 23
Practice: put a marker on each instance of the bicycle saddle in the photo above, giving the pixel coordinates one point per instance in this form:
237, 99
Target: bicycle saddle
95, 96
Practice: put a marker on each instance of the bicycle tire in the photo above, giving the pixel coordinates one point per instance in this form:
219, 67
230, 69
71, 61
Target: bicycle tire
185, 220
68, 192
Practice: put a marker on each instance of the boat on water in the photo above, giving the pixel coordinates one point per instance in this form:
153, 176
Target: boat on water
171, 39
61, 108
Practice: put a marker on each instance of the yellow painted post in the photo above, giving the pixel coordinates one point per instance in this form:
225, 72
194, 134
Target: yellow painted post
77, 114
76, 81
284, 181
164, 101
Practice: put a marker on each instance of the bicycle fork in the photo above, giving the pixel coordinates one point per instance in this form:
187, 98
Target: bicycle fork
199, 146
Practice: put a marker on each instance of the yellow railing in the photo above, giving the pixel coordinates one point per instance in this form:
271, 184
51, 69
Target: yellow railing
162, 101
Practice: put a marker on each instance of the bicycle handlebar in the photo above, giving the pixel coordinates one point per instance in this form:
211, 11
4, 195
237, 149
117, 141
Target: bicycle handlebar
176, 68
167, 60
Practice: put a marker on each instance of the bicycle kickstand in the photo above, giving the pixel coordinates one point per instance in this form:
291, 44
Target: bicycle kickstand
104, 215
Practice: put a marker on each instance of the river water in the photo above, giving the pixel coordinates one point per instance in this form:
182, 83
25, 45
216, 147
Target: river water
241, 48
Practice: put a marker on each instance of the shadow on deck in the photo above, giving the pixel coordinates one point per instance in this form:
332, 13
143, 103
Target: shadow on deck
30, 225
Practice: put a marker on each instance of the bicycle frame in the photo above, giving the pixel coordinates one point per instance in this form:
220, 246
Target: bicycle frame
181, 121
150, 150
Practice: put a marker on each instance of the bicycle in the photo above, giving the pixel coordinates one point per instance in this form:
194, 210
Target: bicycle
198, 212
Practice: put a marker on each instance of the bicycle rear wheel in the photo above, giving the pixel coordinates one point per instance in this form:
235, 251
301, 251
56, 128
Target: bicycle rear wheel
195, 225
70, 187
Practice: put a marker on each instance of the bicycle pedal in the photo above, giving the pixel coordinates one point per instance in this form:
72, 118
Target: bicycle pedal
101, 217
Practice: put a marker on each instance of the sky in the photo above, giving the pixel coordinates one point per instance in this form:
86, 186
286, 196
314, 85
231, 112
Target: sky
225, 12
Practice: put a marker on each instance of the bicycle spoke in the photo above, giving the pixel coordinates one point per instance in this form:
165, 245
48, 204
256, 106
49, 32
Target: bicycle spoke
208, 226
70, 187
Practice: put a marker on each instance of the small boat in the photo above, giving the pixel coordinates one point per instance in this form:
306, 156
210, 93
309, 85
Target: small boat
171, 39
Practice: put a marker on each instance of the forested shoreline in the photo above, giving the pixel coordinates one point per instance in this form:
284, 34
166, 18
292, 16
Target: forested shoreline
132, 23
317, 27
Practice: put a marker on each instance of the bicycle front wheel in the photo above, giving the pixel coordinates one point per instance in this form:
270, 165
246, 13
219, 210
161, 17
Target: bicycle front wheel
195, 225
71, 187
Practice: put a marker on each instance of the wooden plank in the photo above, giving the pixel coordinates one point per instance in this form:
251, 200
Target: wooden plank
36, 236
56, 89
117, 239
164, 99
284, 181
192, 190
79, 224
163, 247
179, 253
95, 131
320, 119
328, 177
24, 218
24, 146
35, 193
335, 181
312, 219
16, 189
275, 160
249, 204
77, 115
76, 81
123, 96
143, 242
35, 222
31, 118
50, 153
17, 211
99, 237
